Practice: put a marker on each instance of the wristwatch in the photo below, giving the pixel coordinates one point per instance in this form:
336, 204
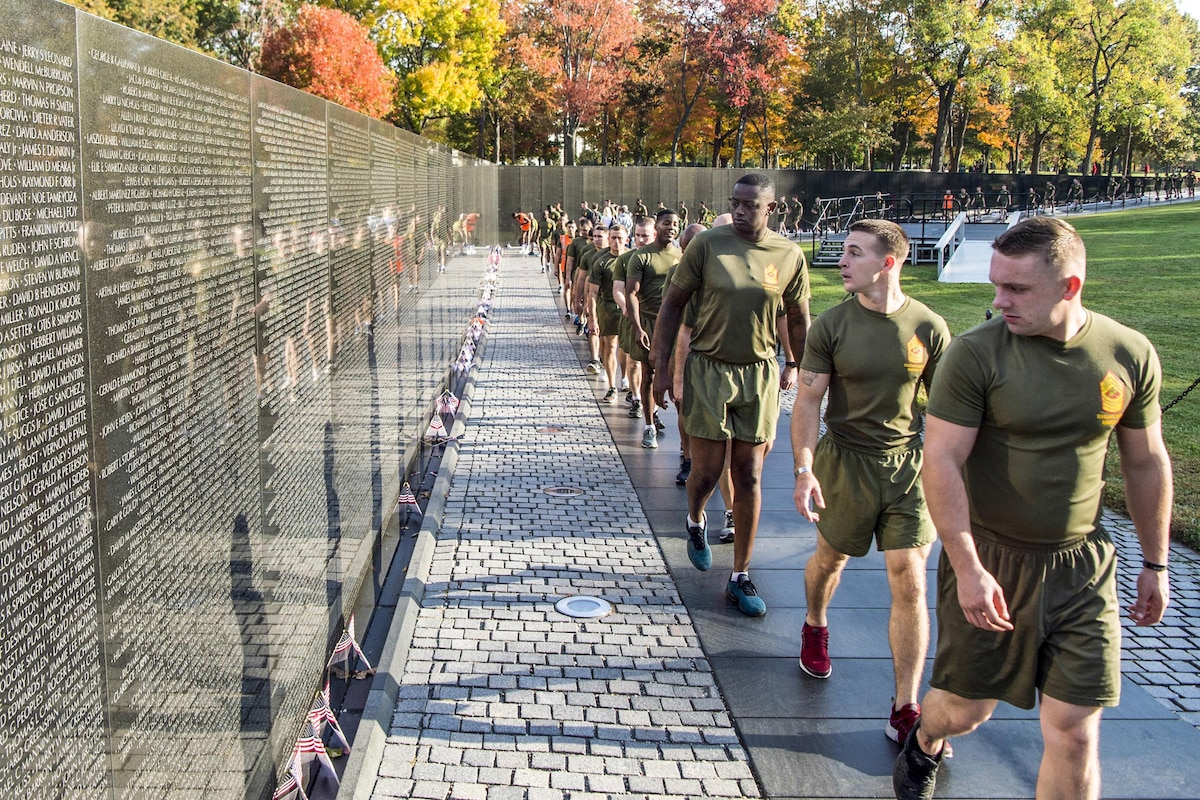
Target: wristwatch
790, 364
801, 470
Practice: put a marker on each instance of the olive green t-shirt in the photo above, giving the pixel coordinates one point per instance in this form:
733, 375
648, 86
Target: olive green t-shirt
651, 265
601, 273
577, 249
875, 362
741, 284
1045, 411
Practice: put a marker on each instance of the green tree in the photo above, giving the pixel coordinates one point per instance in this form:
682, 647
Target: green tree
950, 40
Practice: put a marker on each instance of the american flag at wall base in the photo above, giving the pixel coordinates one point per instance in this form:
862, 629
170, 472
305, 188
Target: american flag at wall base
436, 431
321, 716
291, 789
316, 769
447, 403
341, 654
408, 499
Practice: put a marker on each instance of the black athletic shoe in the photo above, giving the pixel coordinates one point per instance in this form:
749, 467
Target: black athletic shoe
915, 774
685, 469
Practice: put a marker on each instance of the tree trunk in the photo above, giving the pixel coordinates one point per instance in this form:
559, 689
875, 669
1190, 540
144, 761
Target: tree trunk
739, 141
942, 133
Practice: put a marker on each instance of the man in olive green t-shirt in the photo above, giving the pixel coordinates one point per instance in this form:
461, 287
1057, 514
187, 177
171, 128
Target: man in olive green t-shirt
871, 352
645, 283
742, 274
1019, 420
602, 312
643, 234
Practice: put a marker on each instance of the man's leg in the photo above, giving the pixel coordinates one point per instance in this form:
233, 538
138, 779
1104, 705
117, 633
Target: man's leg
608, 357
1071, 755
708, 459
822, 574
908, 625
944, 714
745, 470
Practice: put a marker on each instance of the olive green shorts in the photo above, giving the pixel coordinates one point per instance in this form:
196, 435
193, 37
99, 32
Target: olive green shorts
608, 316
636, 351
624, 333
730, 401
1066, 637
871, 495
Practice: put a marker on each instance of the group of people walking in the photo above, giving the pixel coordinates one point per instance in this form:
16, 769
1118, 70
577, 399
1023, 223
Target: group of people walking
1005, 467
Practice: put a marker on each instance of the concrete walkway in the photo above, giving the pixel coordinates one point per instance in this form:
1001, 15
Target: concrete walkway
675, 694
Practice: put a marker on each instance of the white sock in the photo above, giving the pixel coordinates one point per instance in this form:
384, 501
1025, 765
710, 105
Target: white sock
733, 577
694, 523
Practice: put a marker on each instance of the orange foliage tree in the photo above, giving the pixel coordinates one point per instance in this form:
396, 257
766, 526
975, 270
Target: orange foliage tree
328, 53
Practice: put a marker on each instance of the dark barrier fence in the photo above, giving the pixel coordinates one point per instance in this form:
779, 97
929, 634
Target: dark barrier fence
220, 335
915, 193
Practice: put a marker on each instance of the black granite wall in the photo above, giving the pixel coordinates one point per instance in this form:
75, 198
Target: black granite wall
219, 336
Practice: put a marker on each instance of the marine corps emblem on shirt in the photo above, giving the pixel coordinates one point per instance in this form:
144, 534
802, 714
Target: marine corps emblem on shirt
917, 356
771, 277
1112, 399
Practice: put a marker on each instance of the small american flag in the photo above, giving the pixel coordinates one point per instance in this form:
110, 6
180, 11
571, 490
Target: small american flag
407, 498
447, 403
436, 430
345, 645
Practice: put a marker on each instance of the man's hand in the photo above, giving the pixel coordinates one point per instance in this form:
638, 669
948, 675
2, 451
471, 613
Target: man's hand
787, 378
1153, 594
661, 383
982, 601
808, 496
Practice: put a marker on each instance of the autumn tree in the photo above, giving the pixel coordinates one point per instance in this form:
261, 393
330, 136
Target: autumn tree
440, 51
328, 53
581, 46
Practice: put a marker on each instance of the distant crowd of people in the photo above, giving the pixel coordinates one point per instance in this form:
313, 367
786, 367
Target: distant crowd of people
1005, 466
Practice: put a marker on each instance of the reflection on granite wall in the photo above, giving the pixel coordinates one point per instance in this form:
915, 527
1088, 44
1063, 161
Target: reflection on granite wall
220, 327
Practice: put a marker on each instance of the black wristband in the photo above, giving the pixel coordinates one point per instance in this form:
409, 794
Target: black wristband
1154, 567
790, 364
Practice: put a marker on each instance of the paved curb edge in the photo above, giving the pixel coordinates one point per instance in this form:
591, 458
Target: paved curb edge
362, 768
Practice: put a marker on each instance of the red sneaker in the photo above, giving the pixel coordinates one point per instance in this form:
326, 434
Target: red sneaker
814, 651
901, 721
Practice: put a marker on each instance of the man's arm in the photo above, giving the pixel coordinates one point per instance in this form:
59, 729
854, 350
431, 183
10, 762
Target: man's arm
946, 449
666, 328
806, 427
1146, 467
787, 377
593, 292
798, 322
619, 295
633, 289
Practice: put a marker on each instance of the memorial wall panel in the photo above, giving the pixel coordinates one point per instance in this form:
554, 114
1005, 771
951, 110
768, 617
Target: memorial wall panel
213, 293
292, 314
384, 342
49, 633
352, 446
166, 165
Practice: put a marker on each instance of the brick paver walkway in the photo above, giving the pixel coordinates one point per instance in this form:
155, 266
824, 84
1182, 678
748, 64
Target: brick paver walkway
504, 697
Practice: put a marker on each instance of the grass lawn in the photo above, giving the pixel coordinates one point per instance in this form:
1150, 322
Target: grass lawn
1143, 271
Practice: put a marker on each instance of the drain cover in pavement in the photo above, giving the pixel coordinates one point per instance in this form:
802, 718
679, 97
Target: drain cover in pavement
563, 491
551, 429
583, 607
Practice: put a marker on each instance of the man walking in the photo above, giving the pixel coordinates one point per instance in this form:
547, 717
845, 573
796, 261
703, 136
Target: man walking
1019, 421
645, 285
742, 273
871, 352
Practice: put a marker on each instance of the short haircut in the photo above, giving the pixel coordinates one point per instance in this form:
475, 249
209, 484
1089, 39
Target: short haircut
891, 237
759, 179
618, 228
662, 212
1053, 241
644, 222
